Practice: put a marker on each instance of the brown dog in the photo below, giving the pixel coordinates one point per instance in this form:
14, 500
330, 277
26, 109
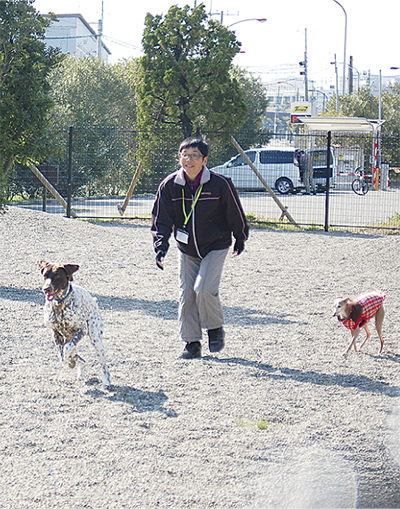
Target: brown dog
356, 313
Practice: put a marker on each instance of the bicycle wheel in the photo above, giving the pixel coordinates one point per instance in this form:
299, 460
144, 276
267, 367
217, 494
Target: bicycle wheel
365, 187
360, 187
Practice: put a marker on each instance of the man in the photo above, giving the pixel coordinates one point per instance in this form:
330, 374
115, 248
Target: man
203, 210
304, 161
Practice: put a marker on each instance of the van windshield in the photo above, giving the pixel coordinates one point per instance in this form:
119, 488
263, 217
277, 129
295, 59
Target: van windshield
276, 157
239, 160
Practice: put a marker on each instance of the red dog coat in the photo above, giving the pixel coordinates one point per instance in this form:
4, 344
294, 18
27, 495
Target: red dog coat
370, 303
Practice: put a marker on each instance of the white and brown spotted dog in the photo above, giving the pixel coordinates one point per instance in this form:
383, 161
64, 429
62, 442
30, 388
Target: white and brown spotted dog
356, 313
71, 312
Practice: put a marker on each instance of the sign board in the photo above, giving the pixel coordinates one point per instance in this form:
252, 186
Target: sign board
298, 111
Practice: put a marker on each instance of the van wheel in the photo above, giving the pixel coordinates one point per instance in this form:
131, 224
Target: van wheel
284, 185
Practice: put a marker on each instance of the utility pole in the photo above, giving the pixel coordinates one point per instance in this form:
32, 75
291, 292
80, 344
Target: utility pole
351, 76
304, 71
100, 31
337, 86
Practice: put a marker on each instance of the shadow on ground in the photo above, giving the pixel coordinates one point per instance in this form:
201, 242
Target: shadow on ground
141, 401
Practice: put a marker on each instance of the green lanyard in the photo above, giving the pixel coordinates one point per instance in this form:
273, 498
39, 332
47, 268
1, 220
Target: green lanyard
196, 199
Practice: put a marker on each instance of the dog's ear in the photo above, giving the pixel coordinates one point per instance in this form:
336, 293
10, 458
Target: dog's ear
43, 265
356, 312
70, 269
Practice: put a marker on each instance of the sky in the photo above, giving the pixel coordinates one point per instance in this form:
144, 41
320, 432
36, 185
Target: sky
272, 49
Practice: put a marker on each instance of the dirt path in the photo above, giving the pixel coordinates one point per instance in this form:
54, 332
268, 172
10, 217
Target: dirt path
278, 419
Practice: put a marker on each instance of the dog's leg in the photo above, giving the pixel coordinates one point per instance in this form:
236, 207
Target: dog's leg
365, 327
59, 342
354, 336
380, 315
69, 349
96, 336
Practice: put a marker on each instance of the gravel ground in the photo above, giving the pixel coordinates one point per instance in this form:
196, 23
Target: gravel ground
277, 419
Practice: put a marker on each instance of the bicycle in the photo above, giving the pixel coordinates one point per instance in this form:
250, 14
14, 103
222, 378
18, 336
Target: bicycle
359, 185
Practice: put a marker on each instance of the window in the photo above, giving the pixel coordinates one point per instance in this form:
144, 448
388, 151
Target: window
276, 157
319, 157
239, 161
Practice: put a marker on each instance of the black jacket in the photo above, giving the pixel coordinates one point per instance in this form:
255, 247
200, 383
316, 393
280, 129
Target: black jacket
218, 214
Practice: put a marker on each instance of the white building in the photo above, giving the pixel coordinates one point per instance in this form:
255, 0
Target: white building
73, 34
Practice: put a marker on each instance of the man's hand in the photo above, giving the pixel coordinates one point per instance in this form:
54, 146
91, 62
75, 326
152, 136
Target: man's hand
238, 248
160, 255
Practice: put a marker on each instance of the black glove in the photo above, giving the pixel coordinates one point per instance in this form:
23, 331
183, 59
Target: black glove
160, 255
239, 247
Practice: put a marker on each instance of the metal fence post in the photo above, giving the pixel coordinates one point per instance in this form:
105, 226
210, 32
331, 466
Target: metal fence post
69, 176
328, 173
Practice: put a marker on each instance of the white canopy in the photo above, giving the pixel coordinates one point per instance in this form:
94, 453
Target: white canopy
353, 124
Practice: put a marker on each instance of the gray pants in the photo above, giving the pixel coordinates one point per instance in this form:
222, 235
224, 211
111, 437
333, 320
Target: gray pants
199, 304
309, 181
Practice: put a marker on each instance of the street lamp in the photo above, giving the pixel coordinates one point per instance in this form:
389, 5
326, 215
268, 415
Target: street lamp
261, 20
325, 97
345, 41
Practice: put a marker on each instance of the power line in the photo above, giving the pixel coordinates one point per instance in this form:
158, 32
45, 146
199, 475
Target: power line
94, 36
123, 43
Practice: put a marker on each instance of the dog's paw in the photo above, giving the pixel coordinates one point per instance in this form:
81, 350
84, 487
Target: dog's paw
81, 372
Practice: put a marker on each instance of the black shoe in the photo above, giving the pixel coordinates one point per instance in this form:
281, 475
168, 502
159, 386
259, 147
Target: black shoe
192, 350
216, 339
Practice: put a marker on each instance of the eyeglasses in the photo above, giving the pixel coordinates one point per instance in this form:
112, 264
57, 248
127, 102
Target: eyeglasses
192, 157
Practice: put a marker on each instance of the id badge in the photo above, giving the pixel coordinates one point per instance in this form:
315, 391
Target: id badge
182, 236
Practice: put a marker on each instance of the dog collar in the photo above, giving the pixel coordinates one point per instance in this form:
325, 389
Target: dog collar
60, 301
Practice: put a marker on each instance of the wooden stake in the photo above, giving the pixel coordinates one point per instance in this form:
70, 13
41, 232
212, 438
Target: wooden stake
275, 198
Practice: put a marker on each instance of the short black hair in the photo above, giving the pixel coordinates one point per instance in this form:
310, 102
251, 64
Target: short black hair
196, 142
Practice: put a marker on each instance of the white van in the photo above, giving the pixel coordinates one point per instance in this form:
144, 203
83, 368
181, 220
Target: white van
276, 166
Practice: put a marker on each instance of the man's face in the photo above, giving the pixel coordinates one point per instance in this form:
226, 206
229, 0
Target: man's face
192, 161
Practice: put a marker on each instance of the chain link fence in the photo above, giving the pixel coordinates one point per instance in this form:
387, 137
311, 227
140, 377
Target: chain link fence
96, 169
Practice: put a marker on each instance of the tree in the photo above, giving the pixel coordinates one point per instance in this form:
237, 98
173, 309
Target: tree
98, 100
184, 75
91, 92
25, 64
364, 104
360, 104
252, 133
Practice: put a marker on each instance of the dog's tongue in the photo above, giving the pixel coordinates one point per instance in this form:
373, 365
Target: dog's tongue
50, 297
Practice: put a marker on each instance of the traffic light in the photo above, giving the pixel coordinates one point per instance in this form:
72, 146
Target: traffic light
303, 69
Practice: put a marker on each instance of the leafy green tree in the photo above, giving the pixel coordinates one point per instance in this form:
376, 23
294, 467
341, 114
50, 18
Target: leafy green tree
91, 92
360, 104
391, 128
252, 133
25, 64
98, 100
184, 75
184, 85
365, 104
